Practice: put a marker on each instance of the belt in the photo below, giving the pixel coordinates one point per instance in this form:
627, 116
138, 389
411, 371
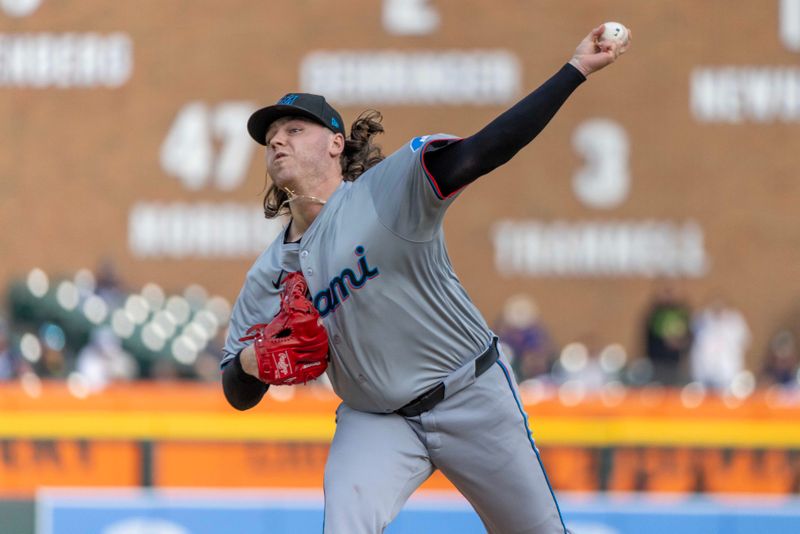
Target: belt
433, 396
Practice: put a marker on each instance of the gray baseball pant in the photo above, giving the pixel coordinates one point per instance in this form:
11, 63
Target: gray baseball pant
478, 436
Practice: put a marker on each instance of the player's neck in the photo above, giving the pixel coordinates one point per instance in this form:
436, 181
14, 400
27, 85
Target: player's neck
307, 205
301, 220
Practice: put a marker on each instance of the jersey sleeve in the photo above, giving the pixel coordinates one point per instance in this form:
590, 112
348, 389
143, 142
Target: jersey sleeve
406, 195
258, 302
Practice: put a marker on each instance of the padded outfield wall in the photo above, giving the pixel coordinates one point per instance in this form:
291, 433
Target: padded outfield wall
175, 458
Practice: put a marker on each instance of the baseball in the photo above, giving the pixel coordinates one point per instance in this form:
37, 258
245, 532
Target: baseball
615, 31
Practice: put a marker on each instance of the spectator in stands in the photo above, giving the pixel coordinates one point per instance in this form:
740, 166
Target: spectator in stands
10, 360
206, 367
721, 339
667, 336
108, 285
580, 363
781, 360
103, 360
52, 364
164, 370
525, 337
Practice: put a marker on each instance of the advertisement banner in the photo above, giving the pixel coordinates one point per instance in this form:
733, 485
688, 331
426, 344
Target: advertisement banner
300, 512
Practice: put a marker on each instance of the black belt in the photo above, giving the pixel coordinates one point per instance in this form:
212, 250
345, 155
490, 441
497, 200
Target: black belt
433, 396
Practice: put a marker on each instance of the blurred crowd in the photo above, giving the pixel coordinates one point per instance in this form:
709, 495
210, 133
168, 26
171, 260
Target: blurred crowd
92, 330
700, 350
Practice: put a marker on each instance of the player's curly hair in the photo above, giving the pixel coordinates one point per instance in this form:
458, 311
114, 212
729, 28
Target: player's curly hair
360, 154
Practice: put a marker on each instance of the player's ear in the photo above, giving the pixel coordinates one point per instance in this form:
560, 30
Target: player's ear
337, 145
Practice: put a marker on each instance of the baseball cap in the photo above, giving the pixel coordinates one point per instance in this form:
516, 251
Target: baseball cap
313, 107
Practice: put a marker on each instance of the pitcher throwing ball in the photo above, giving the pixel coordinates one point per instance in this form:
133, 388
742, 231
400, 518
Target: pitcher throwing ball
360, 285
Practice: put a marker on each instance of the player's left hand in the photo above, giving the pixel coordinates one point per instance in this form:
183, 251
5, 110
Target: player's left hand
592, 54
293, 347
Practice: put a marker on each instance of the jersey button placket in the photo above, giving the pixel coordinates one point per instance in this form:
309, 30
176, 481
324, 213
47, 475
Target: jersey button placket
308, 271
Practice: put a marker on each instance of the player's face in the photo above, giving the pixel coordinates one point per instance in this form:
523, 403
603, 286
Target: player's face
298, 150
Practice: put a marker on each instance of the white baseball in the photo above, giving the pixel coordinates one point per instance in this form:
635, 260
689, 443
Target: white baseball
614, 31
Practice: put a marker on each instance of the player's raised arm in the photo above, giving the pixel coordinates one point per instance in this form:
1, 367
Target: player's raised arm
459, 164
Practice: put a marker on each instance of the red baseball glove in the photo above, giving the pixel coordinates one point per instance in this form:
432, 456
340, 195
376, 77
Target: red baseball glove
293, 347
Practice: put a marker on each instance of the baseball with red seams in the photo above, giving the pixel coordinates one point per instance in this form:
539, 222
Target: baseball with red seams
614, 31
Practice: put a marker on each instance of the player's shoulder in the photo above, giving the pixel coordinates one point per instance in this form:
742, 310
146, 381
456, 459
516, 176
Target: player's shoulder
413, 149
418, 143
404, 159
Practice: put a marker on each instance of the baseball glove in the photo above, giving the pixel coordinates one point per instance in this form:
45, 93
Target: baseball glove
293, 347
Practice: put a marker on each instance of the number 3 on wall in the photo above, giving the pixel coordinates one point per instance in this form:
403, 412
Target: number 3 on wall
604, 180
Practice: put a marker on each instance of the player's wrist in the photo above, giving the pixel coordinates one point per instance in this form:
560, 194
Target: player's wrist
248, 362
576, 62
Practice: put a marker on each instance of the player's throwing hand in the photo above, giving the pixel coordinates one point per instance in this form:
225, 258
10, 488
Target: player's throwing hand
592, 54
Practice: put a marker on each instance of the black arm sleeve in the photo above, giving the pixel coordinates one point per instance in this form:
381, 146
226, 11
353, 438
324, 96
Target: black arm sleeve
461, 163
242, 390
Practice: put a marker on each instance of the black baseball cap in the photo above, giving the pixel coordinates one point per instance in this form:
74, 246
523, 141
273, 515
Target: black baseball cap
313, 107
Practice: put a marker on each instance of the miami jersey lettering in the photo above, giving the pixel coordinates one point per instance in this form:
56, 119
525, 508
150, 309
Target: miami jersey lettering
327, 300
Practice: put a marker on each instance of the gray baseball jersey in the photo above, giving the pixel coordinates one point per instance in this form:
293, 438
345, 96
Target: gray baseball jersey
375, 261
399, 323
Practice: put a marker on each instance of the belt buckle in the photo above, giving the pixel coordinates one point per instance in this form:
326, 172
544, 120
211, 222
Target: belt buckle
430, 393
417, 406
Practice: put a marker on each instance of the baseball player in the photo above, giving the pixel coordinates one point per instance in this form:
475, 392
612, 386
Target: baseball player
422, 381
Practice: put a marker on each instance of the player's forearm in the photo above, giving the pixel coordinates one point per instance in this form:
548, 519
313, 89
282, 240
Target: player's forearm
462, 163
520, 124
242, 390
